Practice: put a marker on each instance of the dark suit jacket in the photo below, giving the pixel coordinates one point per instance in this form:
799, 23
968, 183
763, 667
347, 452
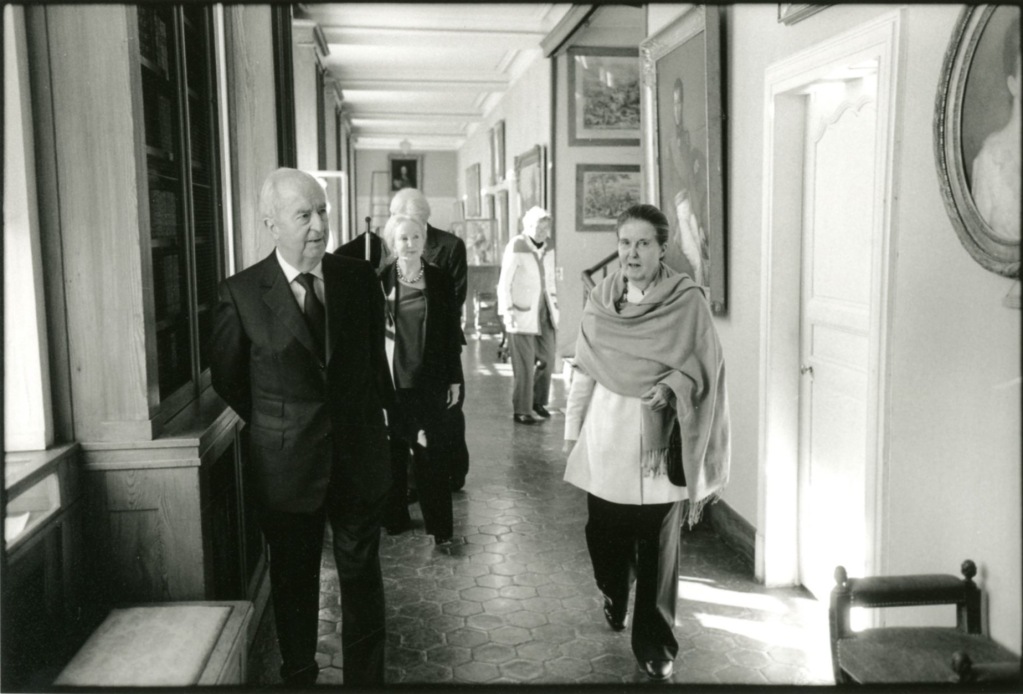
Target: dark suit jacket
356, 248
442, 348
447, 251
304, 415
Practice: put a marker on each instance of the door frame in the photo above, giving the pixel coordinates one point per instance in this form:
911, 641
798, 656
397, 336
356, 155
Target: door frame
781, 235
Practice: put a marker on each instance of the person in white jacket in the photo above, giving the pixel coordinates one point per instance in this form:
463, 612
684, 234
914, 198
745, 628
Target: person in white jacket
527, 302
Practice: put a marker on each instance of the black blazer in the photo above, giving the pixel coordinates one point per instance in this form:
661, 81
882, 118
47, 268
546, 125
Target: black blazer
442, 348
356, 248
305, 415
447, 251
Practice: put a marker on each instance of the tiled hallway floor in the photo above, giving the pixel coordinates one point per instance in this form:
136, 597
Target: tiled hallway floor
514, 600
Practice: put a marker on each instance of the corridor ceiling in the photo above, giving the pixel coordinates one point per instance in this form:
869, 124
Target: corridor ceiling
426, 73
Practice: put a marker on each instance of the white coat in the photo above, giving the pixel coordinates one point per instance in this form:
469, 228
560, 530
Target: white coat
522, 287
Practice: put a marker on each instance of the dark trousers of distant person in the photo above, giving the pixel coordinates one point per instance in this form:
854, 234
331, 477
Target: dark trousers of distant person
632, 542
532, 358
458, 450
296, 548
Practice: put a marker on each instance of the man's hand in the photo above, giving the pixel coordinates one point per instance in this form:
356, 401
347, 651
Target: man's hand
454, 390
569, 445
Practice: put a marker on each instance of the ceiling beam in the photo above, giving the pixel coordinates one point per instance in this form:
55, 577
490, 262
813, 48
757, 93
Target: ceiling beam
386, 116
412, 85
412, 37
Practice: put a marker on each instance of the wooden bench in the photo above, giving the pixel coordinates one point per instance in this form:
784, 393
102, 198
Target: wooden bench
165, 645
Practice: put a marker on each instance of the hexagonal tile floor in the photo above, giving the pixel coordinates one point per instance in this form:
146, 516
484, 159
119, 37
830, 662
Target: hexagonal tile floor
513, 599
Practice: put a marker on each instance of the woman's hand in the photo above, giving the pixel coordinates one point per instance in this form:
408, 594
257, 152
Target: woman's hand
657, 398
454, 390
569, 445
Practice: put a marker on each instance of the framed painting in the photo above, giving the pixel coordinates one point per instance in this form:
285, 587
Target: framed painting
406, 171
531, 180
604, 191
790, 12
501, 216
603, 103
472, 191
497, 153
683, 166
976, 132
481, 242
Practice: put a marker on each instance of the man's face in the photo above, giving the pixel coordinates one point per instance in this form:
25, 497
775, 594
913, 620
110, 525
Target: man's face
300, 227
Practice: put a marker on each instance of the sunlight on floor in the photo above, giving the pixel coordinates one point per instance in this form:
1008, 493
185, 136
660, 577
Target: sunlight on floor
702, 592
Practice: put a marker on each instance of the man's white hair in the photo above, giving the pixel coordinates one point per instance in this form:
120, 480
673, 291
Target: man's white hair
411, 202
269, 199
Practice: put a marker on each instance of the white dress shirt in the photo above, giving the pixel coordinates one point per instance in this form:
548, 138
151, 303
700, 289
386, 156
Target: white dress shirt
296, 287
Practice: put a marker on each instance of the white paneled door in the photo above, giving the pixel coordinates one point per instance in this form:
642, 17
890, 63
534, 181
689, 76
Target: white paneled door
840, 230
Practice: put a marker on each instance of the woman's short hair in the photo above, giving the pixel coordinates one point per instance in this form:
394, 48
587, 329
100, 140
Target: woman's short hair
533, 217
649, 214
392, 226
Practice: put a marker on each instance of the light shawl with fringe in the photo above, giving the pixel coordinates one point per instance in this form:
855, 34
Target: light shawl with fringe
668, 337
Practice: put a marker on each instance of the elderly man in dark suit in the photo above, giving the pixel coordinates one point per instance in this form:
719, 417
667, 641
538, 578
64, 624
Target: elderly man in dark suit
446, 251
298, 352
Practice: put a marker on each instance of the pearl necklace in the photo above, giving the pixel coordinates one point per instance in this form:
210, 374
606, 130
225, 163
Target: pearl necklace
409, 280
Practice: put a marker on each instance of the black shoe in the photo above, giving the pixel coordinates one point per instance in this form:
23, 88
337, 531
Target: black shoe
523, 419
442, 540
616, 622
658, 670
457, 484
398, 528
541, 412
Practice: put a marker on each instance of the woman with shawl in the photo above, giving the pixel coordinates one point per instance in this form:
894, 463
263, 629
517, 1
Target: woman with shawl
648, 365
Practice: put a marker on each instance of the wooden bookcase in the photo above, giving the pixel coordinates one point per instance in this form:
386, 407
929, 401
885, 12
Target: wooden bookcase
136, 181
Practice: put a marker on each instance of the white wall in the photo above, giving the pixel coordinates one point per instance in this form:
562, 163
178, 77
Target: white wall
437, 181
953, 473
611, 26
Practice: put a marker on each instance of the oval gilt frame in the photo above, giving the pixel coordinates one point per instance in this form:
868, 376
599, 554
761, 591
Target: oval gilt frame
983, 244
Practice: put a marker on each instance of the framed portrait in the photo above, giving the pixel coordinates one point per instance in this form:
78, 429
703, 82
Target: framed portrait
481, 242
497, 153
683, 166
472, 191
604, 191
406, 171
790, 12
531, 180
975, 135
501, 216
603, 103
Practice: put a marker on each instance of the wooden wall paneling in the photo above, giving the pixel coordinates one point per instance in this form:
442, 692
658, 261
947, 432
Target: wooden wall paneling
104, 219
153, 546
251, 93
49, 222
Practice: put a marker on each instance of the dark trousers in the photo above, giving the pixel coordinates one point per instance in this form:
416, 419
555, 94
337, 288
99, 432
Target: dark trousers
629, 543
296, 548
421, 409
458, 451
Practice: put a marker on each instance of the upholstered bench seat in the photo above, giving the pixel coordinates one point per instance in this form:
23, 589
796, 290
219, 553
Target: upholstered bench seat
912, 654
165, 645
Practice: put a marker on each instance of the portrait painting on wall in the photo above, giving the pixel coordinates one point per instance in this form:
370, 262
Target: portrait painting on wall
977, 134
501, 215
531, 180
472, 191
682, 144
481, 242
497, 153
602, 192
603, 104
406, 171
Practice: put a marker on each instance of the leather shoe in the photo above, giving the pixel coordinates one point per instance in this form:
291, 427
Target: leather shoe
524, 419
658, 670
618, 623
399, 527
542, 411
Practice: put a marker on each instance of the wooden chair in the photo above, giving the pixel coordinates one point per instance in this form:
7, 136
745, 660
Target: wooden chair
913, 654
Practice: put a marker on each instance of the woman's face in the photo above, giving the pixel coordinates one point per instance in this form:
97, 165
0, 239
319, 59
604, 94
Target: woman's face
408, 241
638, 252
